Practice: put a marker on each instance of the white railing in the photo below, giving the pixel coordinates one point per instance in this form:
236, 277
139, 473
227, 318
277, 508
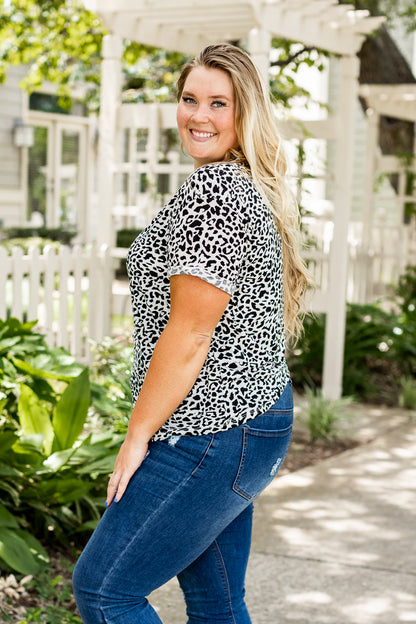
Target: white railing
67, 291
373, 273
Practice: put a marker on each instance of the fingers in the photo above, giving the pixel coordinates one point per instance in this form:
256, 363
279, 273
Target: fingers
116, 487
128, 461
112, 489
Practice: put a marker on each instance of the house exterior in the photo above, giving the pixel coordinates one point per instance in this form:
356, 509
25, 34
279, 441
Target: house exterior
47, 160
13, 159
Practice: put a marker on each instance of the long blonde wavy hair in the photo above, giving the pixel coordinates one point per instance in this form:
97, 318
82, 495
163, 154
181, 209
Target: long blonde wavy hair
260, 151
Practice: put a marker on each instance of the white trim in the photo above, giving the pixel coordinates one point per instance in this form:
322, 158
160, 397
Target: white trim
398, 101
39, 117
189, 25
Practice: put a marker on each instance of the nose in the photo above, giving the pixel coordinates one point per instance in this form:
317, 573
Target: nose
201, 114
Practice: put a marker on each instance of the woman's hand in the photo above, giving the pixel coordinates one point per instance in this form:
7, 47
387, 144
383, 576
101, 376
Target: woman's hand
129, 458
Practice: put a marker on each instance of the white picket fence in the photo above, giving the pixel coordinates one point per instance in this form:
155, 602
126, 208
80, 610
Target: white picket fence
67, 291
72, 295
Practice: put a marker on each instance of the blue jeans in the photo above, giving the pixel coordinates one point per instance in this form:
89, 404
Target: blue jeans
187, 512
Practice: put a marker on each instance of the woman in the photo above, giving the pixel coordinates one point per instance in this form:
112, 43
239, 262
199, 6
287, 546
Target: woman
216, 282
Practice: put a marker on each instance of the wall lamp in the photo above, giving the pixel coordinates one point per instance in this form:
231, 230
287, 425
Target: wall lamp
23, 134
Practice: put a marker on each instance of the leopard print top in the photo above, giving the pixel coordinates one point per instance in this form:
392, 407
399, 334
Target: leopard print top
216, 227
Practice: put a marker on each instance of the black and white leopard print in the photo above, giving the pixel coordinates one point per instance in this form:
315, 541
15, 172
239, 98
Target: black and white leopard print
216, 227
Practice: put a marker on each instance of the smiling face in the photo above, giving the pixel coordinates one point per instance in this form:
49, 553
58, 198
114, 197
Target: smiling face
206, 115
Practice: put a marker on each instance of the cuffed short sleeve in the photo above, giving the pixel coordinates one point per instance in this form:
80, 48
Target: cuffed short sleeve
207, 236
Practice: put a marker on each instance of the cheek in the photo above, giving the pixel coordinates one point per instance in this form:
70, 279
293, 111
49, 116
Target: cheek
181, 117
229, 126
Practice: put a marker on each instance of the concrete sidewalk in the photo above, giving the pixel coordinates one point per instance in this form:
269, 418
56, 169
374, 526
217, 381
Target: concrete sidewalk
335, 543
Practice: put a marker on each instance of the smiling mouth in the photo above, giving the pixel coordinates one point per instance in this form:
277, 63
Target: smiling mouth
199, 134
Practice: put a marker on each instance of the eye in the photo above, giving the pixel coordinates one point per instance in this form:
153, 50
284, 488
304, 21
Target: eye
218, 104
188, 100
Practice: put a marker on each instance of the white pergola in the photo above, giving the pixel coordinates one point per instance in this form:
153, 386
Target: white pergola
391, 100
188, 26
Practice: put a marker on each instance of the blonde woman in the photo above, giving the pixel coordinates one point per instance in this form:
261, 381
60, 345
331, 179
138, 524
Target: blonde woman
217, 284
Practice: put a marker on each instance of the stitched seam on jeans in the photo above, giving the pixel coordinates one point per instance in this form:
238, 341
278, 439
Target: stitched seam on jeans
144, 526
264, 433
236, 487
225, 578
203, 456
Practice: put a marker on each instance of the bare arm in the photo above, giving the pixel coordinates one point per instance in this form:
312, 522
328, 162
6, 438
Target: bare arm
179, 354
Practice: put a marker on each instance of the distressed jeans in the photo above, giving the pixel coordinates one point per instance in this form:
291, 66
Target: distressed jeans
186, 512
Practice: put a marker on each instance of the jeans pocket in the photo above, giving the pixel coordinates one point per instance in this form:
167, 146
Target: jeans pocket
262, 455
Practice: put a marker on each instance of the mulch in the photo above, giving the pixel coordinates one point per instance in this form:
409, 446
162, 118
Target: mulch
304, 452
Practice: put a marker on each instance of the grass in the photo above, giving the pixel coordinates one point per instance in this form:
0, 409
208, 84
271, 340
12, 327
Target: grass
407, 397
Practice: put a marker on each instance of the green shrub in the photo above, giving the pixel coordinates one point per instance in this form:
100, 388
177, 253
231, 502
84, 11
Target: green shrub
405, 332
110, 381
306, 360
380, 347
406, 292
323, 415
124, 238
50, 467
407, 396
27, 243
55, 234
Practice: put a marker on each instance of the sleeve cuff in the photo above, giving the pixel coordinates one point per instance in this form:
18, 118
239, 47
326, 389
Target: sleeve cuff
219, 282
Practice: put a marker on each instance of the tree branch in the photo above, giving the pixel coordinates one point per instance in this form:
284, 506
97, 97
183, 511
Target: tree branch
291, 58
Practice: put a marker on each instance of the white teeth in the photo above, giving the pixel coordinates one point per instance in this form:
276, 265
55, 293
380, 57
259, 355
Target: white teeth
202, 135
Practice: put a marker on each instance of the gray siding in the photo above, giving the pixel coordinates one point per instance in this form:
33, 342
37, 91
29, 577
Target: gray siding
11, 103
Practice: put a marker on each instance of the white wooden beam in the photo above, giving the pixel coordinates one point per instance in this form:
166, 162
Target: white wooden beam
259, 45
310, 30
373, 120
338, 267
110, 94
398, 101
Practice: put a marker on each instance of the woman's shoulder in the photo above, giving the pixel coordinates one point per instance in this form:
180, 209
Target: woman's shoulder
219, 178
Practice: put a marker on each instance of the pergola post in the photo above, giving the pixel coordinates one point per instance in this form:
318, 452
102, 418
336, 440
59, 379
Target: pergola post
259, 44
110, 97
338, 266
373, 122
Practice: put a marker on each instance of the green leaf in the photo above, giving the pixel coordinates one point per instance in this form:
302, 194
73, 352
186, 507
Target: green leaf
55, 461
35, 546
28, 450
16, 552
89, 525
62, 491
7, 343
13, 492
7, 439
71, 411
7, 367
28, 368
7, 519
105, 465
9, 471
34, 417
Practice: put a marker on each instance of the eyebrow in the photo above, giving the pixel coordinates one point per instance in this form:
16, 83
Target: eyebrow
213, 97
